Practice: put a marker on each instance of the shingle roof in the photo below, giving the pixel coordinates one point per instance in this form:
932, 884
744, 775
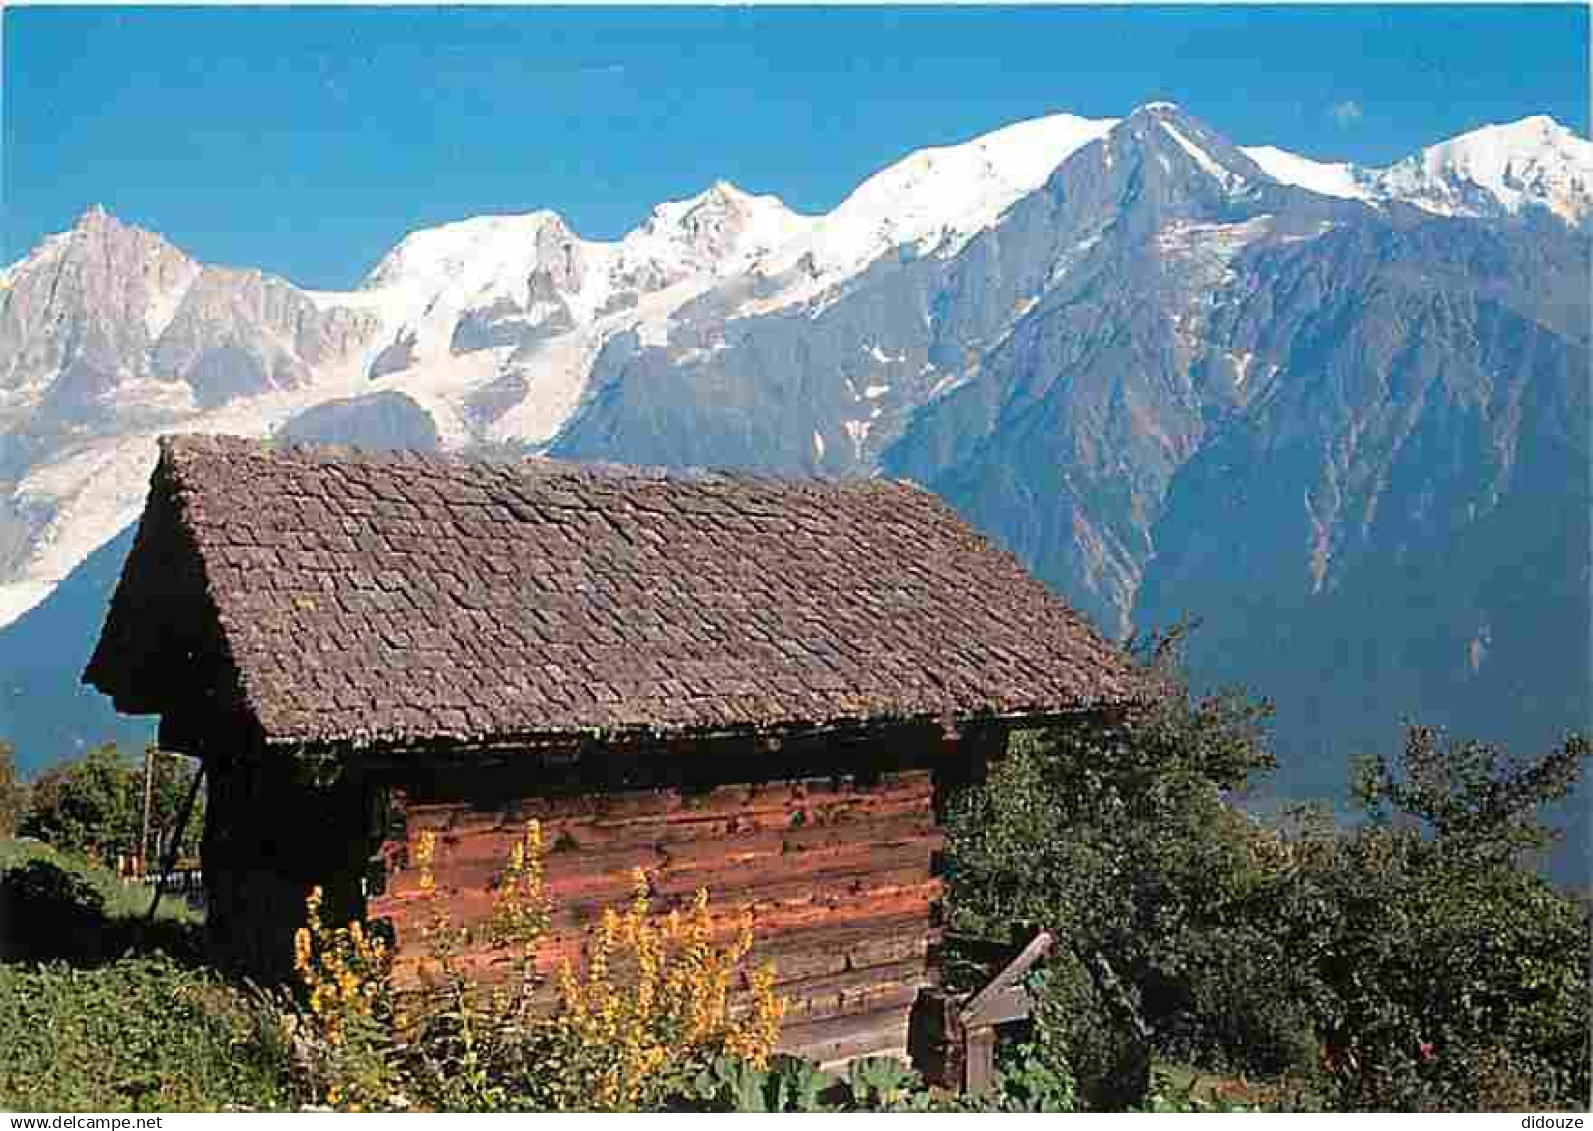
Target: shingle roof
333, 596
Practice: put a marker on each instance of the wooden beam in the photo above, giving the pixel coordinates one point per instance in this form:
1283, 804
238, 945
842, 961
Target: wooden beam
974, 1011
1010, 1004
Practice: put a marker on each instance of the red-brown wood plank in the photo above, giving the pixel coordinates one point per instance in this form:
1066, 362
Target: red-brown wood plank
910, 902
617, 812
839, 879
706, 864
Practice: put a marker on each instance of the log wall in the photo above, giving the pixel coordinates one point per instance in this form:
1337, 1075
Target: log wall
838, 873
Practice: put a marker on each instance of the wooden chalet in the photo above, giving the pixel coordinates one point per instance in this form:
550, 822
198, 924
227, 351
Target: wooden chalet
757, 686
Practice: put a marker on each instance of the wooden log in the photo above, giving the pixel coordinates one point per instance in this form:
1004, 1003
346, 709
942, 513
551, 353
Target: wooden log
851, 878
794, 926
838, 877
953, 1042
852, 991
935, 1038
831, 950
996, 1001
612, 843
570, 880
832, 1040
617, 812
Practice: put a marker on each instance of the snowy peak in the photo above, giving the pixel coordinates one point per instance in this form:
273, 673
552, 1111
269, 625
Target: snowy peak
1194, 145
956, 189
930, 202
467, 252
95, 216
1497, 170
719, 225
1325, 178
1535, 161
1158, 163
95, 295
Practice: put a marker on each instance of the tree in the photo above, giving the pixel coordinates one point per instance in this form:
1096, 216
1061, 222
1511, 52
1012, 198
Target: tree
1472, 797
1122, 839
1451, 975
1410, 959
95, 804
13, 792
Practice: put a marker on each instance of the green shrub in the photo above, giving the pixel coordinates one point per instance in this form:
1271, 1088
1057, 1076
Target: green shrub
46, 906
1122, 841
1410, 960
1248, 1010
140, 1034
1086, 1033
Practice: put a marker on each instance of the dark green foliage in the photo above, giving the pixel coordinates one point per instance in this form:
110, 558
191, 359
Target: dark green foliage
46, 906
95, 804
1092, 1032
1449, 975
1410, 960
141, 1034
1473, 798
92, 804
1123, 842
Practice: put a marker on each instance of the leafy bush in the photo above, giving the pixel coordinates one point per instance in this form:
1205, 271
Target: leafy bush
1412, 960
1122, 841
45, 904
1449, 975
652, 1008
1090, 1036
1024, 1082
140, 1034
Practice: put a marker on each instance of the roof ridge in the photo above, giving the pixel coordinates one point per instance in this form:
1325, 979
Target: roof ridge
188, 444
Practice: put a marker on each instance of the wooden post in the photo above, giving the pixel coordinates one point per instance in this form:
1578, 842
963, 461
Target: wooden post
980, 1064
176, 843
149, 796
935, 1038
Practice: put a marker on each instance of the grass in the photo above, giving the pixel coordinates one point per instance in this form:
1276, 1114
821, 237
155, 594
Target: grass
122, 901
137, 1034
101, 1011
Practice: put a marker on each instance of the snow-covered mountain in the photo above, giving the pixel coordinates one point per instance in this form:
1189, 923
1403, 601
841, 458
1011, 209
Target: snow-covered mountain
1497, 170
1342, 413
490, 329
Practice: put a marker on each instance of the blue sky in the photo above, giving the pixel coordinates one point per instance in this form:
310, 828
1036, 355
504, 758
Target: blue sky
307, 141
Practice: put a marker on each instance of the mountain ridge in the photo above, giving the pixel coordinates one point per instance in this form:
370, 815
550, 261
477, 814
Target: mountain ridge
1167, 376
496, 338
